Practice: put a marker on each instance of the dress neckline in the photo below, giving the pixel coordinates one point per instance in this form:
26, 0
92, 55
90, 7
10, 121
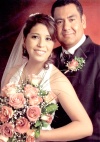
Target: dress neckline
40, 74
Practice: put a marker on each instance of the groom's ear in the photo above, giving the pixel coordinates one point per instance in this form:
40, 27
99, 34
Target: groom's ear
84, 21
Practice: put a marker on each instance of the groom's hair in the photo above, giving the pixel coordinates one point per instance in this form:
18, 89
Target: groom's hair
59, 3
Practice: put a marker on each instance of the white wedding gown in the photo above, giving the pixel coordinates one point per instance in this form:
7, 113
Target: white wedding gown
45, 74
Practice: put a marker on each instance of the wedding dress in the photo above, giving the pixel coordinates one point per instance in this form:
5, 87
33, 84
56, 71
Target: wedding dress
45, 74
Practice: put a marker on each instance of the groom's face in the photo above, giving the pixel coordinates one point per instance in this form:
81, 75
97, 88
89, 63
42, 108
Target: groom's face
70, 25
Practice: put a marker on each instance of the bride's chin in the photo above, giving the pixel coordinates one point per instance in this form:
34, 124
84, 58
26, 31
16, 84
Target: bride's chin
40, 60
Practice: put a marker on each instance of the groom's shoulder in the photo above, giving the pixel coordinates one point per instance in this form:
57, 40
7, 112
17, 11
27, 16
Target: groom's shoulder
96, 48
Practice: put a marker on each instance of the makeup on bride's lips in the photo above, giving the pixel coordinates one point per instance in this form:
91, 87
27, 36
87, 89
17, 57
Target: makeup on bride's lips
40, 52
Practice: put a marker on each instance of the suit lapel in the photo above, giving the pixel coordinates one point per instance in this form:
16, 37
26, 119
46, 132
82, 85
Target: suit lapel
80, 53
85, 49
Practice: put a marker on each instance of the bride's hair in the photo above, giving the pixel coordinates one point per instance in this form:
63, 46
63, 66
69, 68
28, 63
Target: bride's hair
43, 19
18, 54
46, 20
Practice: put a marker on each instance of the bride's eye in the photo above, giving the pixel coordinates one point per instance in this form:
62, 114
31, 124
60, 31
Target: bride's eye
35, 37
48, 38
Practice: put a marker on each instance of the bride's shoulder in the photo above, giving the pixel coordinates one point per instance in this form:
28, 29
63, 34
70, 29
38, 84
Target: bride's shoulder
57, 73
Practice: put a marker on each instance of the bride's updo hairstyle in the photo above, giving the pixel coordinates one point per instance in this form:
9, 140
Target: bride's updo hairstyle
46, 20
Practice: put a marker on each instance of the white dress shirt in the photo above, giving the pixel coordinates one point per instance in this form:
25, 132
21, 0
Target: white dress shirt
72, 49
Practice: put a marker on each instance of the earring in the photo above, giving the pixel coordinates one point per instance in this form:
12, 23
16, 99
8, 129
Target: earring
46, 65
24, 50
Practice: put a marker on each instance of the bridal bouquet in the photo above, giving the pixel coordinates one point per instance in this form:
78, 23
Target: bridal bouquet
25, 109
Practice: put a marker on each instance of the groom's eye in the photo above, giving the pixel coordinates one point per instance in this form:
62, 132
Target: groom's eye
59, 22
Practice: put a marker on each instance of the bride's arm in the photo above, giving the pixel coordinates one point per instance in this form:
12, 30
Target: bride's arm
81, 125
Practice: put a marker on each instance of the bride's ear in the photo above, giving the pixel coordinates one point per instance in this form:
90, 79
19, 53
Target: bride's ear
24, 42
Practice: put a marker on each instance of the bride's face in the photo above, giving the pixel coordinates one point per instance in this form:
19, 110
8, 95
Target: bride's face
38, 43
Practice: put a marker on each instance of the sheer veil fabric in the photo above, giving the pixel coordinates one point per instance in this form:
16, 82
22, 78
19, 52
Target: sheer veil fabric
15, 57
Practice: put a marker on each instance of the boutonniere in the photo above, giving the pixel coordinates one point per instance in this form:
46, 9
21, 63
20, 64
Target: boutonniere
76, 64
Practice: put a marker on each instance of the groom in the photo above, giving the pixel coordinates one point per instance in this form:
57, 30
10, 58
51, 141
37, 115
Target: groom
70, 23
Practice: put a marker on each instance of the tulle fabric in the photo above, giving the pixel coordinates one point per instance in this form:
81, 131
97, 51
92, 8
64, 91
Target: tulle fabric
15, 57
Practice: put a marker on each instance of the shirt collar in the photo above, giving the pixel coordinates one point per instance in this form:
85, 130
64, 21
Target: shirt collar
72, 49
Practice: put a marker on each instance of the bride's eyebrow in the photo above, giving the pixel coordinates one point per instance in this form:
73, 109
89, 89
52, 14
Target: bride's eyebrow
34, 33
39, 34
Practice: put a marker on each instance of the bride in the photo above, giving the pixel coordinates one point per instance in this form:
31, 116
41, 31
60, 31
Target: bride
39, 35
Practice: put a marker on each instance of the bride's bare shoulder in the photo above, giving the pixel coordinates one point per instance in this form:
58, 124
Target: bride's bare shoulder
57, 73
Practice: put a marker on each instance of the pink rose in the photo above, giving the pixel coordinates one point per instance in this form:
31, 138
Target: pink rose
51, 96
35, 100
47, 118
7, 130
6, 113
30, 90
30, 135
33, 113
22, 125
31, 132
72, 65
3, 118
34, 79
9, 89
30, 139
17, 100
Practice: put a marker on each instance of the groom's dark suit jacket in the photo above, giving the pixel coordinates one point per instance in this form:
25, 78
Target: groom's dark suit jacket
86, 83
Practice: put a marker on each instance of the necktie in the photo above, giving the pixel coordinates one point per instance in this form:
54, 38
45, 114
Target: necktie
66, 57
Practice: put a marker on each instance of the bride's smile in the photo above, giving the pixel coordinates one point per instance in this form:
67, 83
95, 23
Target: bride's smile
32, 88
39, 52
